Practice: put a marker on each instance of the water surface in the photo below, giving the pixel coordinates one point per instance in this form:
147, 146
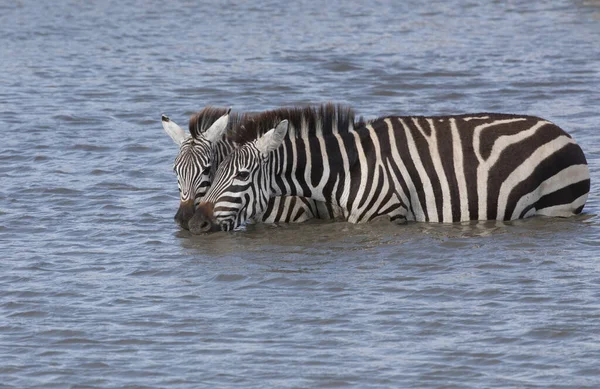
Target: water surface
100, 289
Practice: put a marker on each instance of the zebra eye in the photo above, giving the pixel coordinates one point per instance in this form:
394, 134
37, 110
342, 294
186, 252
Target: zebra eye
243, 174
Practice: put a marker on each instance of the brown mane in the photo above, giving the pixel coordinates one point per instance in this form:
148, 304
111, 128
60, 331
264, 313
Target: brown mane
202, 120
306, 121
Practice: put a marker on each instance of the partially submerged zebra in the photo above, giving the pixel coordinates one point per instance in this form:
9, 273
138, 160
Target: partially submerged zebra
207, 144
435, 169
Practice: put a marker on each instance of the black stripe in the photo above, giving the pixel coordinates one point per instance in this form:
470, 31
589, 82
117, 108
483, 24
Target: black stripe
316, 161
565, 195
470, 164
301, 168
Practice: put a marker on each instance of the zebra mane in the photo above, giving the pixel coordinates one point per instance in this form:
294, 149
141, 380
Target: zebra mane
202, 120
321, 120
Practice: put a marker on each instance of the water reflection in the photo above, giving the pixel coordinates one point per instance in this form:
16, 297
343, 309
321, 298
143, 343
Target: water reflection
337, 240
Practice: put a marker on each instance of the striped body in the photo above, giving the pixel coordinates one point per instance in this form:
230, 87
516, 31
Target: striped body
434, 169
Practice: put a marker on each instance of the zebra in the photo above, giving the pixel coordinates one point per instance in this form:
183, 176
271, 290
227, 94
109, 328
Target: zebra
201, 152
485, 166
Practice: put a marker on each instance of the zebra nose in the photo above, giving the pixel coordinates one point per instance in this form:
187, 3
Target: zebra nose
184, 214
199, 225
202, 220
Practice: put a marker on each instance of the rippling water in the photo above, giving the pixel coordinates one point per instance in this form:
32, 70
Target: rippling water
99, 288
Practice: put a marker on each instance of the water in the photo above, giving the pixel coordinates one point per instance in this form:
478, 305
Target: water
99, 288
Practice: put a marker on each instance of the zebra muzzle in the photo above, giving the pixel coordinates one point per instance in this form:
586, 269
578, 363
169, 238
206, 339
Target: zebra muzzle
185, 213
203, 220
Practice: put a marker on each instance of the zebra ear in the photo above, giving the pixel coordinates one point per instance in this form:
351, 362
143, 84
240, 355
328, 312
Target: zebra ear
217, 130
173, 130
272, 139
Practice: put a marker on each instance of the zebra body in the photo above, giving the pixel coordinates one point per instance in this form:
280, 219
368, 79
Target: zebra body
201, 152
434, 169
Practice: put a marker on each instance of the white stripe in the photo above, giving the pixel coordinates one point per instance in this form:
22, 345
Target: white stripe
304, 127
334, 190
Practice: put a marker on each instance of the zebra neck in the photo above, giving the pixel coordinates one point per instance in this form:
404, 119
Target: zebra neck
315, 167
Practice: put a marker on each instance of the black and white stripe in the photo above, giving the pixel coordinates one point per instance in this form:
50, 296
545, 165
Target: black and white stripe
434, 169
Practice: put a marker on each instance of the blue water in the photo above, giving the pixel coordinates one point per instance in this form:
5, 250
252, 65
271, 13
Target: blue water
100, 289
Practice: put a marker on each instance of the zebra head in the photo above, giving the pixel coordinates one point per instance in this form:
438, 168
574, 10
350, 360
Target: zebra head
242, 185
193, 164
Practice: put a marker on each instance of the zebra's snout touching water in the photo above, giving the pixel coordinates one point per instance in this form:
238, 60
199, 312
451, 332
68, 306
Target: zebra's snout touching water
184, 214
208, 143
203, 219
